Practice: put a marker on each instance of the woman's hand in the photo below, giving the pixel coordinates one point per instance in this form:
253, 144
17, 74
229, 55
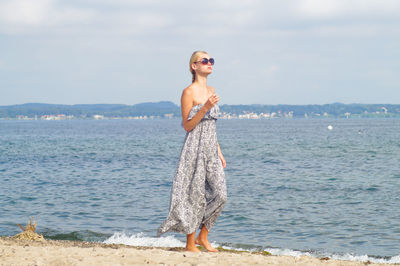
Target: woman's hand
222, 158
211, 101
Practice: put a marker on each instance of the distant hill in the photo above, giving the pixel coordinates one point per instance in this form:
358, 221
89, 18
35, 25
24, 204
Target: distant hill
85, 110
166, 108
332, 110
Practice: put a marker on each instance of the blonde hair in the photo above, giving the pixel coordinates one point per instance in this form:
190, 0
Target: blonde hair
195, 56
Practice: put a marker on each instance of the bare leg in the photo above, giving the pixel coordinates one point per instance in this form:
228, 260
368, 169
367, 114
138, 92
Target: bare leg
190, 245
202, 240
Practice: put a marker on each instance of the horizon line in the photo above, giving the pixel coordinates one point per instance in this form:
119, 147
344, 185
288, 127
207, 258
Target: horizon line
155, 102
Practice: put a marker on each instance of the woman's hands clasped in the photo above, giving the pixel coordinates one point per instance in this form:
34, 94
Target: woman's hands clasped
213, 100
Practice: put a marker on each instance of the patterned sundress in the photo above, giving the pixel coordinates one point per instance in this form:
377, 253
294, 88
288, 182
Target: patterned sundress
198, 192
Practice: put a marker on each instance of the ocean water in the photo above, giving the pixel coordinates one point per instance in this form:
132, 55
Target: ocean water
294, 187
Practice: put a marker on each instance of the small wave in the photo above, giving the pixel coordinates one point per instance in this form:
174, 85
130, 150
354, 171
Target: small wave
141, 239
347, 257
288, 252
366, 258
83, 235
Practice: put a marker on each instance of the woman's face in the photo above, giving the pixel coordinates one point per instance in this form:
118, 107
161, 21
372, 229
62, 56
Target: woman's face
201, 67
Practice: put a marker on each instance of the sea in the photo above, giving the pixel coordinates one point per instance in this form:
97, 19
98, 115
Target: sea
319, 187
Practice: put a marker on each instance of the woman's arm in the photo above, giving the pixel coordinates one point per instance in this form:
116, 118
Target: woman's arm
186, 106
221, 157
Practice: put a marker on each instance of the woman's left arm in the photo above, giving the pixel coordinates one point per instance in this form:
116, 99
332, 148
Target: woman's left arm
221, 156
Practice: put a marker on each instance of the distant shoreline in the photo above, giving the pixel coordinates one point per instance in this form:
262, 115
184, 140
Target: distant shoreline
179, 118
165, 109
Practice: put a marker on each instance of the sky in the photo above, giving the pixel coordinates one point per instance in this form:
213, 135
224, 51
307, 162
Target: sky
134, 51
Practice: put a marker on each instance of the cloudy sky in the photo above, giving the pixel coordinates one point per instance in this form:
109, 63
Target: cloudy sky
266, 51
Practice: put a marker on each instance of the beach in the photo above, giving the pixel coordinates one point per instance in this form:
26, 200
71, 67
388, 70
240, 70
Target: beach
64, 252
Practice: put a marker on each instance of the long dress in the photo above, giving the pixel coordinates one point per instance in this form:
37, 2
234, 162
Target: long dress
198, 192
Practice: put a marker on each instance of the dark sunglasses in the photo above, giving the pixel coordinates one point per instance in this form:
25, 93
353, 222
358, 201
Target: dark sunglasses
205, 61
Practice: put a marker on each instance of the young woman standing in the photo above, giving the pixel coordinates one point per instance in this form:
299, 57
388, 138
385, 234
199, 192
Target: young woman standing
199, 189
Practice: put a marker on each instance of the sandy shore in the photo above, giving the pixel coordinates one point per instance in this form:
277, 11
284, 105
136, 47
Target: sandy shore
60, 252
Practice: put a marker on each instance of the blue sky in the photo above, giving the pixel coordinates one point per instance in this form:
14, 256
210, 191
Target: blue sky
266, 52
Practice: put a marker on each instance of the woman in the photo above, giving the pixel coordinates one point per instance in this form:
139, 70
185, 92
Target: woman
199, 190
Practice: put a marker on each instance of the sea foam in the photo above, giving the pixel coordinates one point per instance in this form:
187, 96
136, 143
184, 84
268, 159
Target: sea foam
140, 239
347, 257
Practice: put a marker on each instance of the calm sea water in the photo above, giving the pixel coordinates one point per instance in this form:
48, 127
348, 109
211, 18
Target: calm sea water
292, 184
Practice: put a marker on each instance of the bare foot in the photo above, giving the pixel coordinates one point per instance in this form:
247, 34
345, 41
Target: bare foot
206, 245
192, 249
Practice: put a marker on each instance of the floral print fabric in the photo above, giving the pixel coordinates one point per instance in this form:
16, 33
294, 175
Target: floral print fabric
198, 192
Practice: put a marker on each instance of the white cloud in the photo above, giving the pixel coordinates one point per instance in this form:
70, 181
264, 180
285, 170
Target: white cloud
137, 23
24, 11
364, 30
216, 18
324, 8
22, 16
270, 71
349, 8
51, 16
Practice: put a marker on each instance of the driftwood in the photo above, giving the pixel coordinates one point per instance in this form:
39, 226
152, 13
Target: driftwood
29, 232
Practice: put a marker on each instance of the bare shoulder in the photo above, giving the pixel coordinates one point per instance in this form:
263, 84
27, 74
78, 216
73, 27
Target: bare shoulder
211, 89
187, 95
188, 91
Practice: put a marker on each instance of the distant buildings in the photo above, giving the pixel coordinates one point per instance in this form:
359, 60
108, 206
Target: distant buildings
238, 112
97, 117
45, 117
56, 117
252, 115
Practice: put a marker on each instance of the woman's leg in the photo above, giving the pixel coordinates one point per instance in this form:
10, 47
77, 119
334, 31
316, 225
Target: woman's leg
190, 245
215, 198
202, 240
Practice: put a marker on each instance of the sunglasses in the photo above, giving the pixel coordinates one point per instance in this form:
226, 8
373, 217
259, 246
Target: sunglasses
205, 61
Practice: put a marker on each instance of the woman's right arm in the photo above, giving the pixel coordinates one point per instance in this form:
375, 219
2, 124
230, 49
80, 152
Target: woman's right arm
186, 106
